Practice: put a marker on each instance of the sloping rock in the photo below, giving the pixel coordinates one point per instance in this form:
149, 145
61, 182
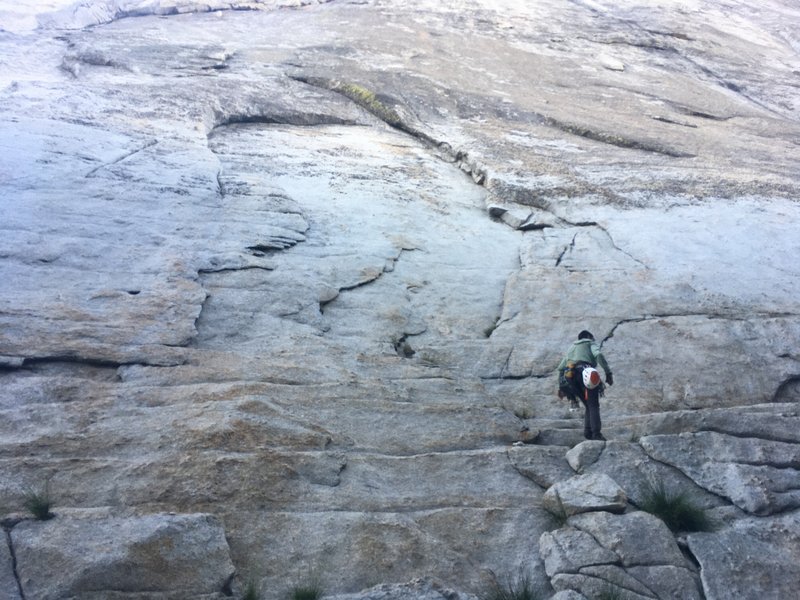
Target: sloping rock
154, 556
585, 493
544, 465
633, 555
759, 476
750, 558
630, 466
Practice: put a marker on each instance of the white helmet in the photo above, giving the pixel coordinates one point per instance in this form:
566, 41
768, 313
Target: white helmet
591, 378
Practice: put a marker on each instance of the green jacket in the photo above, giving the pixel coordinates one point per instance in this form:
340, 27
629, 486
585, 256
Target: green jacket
585, 351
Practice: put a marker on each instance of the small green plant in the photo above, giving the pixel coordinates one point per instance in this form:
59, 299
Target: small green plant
369, 100
610, 593
520, 588
310, 591
559, 513
523, 413
39, 503
678, 511
490, 330
251, 591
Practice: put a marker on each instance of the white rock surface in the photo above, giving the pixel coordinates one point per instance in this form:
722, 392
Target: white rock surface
310, 268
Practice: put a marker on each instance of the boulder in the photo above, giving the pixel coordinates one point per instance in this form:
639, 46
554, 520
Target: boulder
568, 550
634, 555
155, 556
584, 454
585, 493
637, 538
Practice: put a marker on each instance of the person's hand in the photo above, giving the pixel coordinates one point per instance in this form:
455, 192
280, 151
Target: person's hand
560, 394
609, 379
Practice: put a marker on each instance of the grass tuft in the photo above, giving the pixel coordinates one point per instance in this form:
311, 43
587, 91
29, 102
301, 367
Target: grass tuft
311, 591
39, 503
251, 591
369, 100
677, 509
559, 515
521, 588
610, 593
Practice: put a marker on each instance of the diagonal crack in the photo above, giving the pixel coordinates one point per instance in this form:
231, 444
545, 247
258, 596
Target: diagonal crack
7, 526
567, 248
368, 275
149, 144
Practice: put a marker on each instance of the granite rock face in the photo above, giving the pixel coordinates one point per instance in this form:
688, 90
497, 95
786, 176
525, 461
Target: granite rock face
90, 556
307, 268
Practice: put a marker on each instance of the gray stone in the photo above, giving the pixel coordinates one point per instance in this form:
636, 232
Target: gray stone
584, 454
595, 587
568, 550
544, 465
157, 554
637, 538
669, 581
750, 558
600, 551
585, 493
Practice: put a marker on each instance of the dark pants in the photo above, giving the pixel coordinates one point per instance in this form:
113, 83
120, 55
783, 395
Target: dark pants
591, 416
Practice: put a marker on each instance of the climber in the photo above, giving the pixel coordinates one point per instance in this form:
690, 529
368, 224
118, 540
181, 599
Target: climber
579, 378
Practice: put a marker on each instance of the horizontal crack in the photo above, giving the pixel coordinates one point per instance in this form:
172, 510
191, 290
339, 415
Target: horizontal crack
297, 119
209, 270
613, 139
31, 362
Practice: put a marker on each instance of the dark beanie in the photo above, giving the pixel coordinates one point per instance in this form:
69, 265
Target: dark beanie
585, 335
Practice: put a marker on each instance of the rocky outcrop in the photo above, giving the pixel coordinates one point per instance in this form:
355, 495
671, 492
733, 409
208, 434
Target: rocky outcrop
633, 554
285, 281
